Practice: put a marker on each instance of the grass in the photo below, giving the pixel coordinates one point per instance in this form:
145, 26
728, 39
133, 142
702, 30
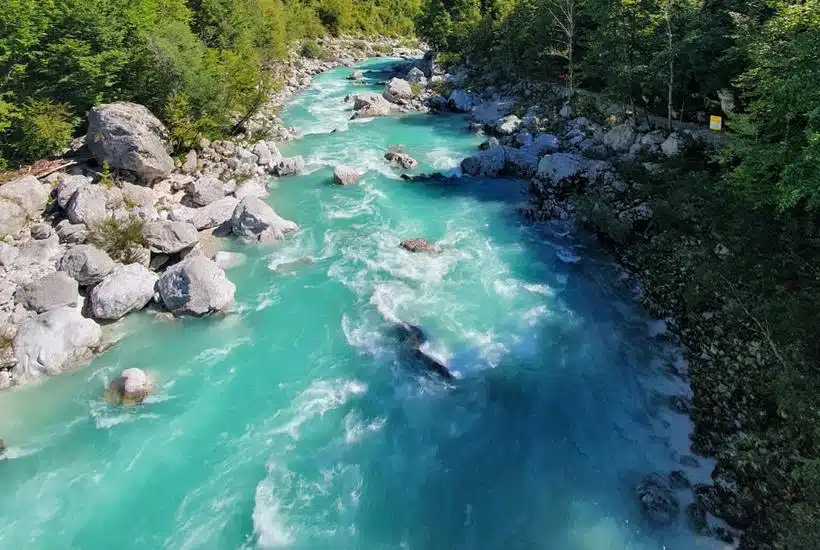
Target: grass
120, 240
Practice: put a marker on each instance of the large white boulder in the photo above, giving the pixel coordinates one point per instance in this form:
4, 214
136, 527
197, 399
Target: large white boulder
28, 193
206, 190
88, 206
487, 163
207, 217
398, 91
130, 388
128, 136
67, 186
371, 106
508, 125
169, 237
125, 289
255, 220
86, 264
345, 175
53, 342
12, 219
53, 291
196, 286
620, 138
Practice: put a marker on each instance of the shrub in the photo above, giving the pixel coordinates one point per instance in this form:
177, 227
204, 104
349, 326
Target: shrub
45, 129
312, 50
121, 240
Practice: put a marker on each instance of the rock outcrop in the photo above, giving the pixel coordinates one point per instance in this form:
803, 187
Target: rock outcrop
254, 220
129, 137
196, 286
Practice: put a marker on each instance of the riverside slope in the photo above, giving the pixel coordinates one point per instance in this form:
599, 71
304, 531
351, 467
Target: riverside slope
298, 424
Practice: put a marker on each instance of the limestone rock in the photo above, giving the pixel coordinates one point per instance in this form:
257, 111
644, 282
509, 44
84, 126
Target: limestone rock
263, 153
398, 91
125, 289
88, 206
488, 163
345, 175
461, 101
73, 233
289, 166
27, 193
190, 164
227, 260
54, 341
169, 237
12, 219
356, 75
69, 185
508, 125
401, 160
371, 106
138, 196
207, 217
674, 145
128, 136
206, 190
53, 291
196, 286
620, 138
86, 264
40, 231
417, 245
558, 166
8, 255
130, 388
253, 187
255, 220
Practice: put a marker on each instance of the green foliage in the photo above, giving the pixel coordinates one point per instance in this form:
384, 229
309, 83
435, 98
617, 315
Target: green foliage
107, 176
312, 50
121, 240
45, 127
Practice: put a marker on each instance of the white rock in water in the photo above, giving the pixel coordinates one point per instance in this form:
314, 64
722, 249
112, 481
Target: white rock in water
131, 388
345, 175
196, 286
127, 288
130, 137
54, 341
255, 220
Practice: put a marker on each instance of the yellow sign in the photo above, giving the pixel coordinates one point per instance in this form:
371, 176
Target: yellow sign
715, 123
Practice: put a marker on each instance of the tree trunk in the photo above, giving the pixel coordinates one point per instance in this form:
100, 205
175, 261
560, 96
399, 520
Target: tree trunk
671, 80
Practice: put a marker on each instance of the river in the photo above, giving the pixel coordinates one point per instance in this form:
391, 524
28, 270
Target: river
298, 423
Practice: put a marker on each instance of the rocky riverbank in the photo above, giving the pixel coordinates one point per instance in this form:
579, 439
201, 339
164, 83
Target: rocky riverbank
123, 226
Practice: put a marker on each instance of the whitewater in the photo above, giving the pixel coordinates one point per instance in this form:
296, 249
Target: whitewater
298, 422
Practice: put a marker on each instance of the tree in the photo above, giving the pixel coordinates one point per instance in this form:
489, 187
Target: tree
563, 14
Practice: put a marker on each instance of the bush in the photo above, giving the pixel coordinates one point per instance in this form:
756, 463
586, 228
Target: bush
45, 128
312, 50
121, 240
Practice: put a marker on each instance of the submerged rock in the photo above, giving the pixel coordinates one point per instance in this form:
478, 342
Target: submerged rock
417, 245
658, 503
412, 338
131, 388
402, 160
345, 175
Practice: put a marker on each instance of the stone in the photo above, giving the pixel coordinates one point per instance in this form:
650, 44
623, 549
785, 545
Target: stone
508, 125
489, 144
402, 160
657, 501
205, 190
520, 162
345, 175
653, 139
125, 289
254, 220
371, 106
245, 159
27, 193
228, 260
54, 341
558, 166
488, 163
8, 255
674, 145
130, 388
356, 75
207, 217
461, 101
73, 233
53, 291
129, 137
544, 143
138, 196
169, 237
488, 112
253, 187
417, 245
678, 480
12, 219
263, 153
289, 166
40, 231
566, 111
86, 264
190, 164
69, 185
398, 91
196, 286
620, 138
88, 206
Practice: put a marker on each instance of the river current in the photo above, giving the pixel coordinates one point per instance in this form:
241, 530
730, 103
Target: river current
297, 422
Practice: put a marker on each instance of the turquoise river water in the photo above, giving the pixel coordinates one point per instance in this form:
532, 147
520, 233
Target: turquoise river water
297, 423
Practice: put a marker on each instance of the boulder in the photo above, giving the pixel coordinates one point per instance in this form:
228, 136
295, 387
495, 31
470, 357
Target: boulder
86, 264
69, 185
658, 503
544, 143
508, 125
88, 206
12, 219
461, 101
417, 245
674, 145
345, 175
566, 111
131, 388
40, 231
398, 91
371, 106
8, 255
251, 188
245, 159
138, 196
169, 237
27, 193
356, 75
54, 341
289, 166
190, 164
73, 233
53, 291
207, 217
401, 160
264, 156
416, 76
489, 144
254, 220
488, 112
205, 190
620, 138
196, 286
520, 162
125, 289
488, 163
558, 166
129, 137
